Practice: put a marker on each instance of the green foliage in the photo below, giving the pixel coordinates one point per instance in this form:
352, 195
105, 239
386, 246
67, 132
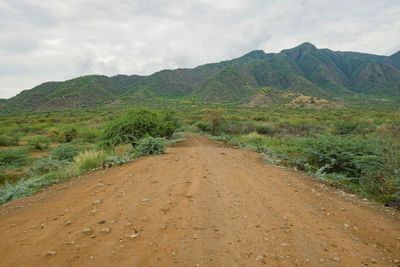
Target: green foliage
88, 135
89, 159
348, 156
39, 143
150, 146
260, 118
351, 127
45, 165
64, 152
13, 157
15, 138
216, 118
204, 127
135, 125
264, 129
69, 134
6, 141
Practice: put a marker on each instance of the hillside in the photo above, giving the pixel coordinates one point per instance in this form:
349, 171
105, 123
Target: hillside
343, 77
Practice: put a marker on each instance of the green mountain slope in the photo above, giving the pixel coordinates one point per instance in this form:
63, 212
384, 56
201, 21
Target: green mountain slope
337, 76
394, 60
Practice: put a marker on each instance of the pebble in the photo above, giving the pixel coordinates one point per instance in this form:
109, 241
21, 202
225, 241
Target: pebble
100, 184
51, 252
91, 257
346, 225
105, 230
93, 211
195, 236
324, 244
98, 201
285, 244
261, 259
145, 200
87, 230
71, 243
102, 221
68, 222
336, 258
133, 236
164, 227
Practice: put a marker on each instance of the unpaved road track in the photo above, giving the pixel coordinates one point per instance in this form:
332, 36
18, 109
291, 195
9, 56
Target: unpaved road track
200, 204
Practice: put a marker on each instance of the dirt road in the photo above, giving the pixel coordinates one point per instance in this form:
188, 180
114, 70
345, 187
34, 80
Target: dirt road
200, 204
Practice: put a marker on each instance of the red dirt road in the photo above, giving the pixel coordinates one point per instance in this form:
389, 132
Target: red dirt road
200, 204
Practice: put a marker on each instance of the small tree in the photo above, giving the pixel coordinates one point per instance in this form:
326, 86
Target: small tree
215, 117
134, 125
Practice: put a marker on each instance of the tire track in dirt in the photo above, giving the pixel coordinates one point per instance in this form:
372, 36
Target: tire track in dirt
200, 204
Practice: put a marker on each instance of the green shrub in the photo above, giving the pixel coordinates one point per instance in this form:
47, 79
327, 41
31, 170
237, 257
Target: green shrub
89, 159
46, 165
64, 152
150, 146
135, 125
15, 138
352, 127
6, 141
264, 130
203, 126
13, 157
39, 143
349, 156
216, 118
88, 135
260, 118
69, 134
28, 186
297, 129
9, 192
235, 127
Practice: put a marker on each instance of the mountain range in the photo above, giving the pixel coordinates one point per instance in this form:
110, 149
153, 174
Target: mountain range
345, 78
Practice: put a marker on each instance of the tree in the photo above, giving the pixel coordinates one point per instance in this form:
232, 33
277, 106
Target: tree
134, 125
215, 117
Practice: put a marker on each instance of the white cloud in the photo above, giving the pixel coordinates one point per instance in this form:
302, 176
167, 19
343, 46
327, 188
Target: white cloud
56, 40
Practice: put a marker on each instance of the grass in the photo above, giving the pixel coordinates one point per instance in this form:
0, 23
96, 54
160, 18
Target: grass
89, 159
351, 148
14, 157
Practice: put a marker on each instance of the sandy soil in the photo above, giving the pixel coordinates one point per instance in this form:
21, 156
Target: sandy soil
200, 204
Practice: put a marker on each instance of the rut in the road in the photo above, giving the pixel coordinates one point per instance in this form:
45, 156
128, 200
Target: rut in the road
200, 204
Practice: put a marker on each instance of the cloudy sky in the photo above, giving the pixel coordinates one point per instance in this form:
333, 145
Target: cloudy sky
57, 40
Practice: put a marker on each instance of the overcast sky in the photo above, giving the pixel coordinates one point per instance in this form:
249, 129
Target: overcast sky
44, 40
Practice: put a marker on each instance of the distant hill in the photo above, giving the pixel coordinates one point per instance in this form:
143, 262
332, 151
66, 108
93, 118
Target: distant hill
341, 77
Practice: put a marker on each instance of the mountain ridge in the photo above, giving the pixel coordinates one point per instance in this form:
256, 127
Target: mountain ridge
304, 69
